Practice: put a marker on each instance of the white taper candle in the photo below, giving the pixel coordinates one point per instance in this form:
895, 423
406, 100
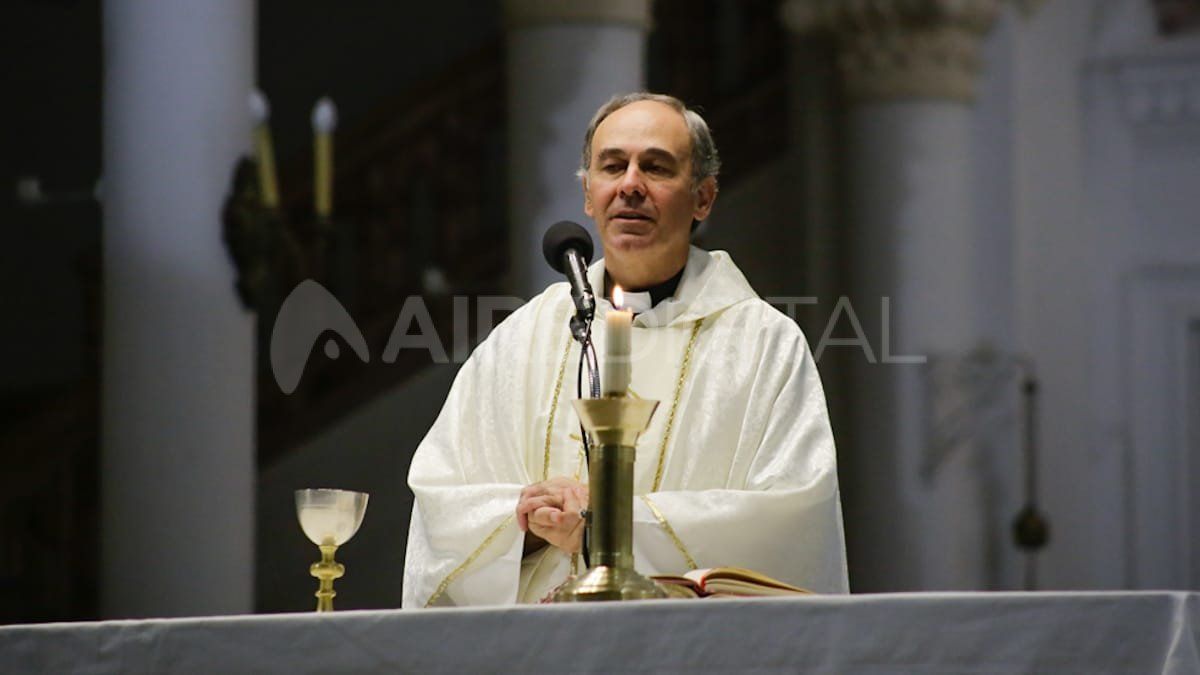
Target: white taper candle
324, 120
264, 152
618, 342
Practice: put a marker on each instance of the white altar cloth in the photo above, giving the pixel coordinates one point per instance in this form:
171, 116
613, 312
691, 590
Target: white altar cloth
1124, 632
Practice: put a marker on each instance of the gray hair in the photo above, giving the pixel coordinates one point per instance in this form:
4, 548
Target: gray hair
705, 161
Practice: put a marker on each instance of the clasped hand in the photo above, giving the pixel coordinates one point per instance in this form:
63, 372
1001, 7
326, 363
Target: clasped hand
549, 512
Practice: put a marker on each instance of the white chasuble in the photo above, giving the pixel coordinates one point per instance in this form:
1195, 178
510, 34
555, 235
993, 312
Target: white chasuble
736, 468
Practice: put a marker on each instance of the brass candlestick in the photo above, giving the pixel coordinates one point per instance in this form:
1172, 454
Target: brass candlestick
614, 424
329, 519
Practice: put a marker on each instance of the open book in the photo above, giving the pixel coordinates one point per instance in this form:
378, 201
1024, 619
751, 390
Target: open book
727, 581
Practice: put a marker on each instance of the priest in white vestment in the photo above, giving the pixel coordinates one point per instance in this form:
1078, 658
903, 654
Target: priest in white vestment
738, 465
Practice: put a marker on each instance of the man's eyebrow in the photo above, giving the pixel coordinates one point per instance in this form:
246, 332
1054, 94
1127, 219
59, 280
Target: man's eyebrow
654, 153
659, 153
610, 153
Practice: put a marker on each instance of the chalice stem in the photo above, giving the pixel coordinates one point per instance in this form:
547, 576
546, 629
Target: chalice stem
325, 595
326, 571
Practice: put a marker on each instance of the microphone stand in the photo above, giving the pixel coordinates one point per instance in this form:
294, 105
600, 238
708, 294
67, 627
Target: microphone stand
581, 330
587, 354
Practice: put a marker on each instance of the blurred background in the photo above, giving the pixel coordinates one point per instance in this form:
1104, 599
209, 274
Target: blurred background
983, 214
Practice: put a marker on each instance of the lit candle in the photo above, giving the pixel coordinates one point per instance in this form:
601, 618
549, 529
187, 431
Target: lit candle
618, 339
324, 121
264, 153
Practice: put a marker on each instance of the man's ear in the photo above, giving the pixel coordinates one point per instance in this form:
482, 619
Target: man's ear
706, 194
587, 200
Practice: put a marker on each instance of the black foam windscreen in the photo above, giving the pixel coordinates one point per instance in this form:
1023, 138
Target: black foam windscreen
564, 235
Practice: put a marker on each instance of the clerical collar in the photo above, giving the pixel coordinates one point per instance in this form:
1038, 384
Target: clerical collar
644, 299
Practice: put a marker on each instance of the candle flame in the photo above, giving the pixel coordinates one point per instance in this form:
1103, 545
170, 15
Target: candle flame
618, 297
260, 110
324, 116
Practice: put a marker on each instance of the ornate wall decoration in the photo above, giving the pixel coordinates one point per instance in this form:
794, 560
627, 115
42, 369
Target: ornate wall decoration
528, 12
1160, 91
1177, 16
898, 49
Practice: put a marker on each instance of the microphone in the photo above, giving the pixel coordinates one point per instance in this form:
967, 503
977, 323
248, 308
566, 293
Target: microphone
568, 249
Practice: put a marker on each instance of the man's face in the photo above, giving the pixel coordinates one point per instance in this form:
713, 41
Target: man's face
639, 187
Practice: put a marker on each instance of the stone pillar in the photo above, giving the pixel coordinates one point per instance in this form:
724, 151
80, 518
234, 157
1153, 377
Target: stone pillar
908, 70
565, 58
178, 466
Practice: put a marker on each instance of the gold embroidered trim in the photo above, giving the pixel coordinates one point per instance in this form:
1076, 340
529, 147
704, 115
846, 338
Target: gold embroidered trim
582, 464
671, 533
441, 589
470, 559
562, 367
683, 369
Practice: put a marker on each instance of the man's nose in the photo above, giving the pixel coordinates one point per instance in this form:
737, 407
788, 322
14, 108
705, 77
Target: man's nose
632, 183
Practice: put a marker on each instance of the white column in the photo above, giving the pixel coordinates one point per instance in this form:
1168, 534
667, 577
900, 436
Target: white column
565, 58
178, 464
910, 207
908, 69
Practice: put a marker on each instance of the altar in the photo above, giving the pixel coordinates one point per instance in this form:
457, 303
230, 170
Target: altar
1111, 632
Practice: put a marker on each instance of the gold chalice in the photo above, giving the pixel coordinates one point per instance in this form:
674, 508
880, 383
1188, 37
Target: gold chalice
329, 518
